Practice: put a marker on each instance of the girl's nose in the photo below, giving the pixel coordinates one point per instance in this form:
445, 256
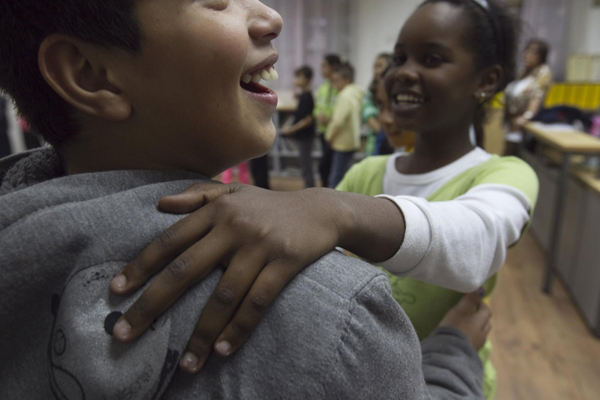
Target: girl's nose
407, 76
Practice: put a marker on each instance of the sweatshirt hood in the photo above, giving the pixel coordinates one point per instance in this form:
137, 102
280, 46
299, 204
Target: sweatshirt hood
30, 168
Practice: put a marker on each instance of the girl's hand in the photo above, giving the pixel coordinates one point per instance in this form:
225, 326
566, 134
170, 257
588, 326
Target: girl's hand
264, 239
472, 317
239, 227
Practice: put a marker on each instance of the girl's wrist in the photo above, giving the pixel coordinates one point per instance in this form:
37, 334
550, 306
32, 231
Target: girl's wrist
372, 228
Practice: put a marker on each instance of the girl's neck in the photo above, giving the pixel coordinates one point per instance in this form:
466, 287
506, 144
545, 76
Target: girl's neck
435, 150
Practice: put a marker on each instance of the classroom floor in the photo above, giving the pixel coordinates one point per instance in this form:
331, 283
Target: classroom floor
542, 348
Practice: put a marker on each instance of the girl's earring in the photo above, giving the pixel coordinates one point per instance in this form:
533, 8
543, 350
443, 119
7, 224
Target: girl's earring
482, 98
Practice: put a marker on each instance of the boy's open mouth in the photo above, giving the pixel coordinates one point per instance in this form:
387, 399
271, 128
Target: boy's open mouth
251, 82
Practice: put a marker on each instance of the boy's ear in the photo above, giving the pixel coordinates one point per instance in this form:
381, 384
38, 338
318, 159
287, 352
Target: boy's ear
76, 71
489, 81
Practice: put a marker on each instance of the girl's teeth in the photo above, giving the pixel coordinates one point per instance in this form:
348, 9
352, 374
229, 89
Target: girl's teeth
256, 78
404, 98
266, 76
274, 74
247, 78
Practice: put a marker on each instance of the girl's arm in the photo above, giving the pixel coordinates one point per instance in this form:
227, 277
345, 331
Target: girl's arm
459, 244
264, 239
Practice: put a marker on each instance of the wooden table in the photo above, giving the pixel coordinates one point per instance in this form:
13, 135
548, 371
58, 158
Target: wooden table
569, 143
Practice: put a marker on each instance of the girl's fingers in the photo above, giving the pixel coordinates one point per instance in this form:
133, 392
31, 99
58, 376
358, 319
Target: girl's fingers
272, 281
468, 303
195, 197
171, 243
483, 320
186, 270
241, 273
488, 327
483, 315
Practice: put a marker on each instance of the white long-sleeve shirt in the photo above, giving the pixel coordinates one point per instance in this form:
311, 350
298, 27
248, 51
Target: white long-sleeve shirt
455, 244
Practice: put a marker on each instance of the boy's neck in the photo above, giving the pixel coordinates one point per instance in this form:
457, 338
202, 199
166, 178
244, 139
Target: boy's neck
84, 155
100, 148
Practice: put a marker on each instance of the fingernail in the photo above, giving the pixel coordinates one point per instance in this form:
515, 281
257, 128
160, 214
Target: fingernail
189, 362
120, 281
122, 329
223, 348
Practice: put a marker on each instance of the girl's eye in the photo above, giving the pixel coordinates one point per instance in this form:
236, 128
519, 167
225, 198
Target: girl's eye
399, 59
432, 60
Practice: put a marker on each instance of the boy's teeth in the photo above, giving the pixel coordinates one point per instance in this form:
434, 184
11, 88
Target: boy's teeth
264, 75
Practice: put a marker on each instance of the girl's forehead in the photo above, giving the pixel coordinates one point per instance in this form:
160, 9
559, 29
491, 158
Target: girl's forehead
436, 22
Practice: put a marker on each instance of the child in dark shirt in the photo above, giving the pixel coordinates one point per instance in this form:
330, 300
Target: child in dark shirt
303, 129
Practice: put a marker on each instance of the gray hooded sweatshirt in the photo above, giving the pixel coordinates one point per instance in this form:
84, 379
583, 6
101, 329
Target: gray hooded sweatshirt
334, 333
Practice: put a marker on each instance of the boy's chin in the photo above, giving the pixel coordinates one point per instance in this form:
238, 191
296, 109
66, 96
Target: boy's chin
265, 140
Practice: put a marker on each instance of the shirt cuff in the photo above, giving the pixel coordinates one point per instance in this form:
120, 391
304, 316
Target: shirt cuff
417, 237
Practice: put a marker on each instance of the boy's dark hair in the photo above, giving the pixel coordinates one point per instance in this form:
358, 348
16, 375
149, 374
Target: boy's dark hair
492, 36
333, 60
24, 24
543, 49
305, 71
346, 70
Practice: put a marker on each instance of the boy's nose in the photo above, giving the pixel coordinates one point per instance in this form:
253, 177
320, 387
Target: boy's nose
264, 22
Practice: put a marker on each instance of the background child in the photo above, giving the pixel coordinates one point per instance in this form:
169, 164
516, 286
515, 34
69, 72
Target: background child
343, 132
326, 98
395, 139
370, 109
303, 128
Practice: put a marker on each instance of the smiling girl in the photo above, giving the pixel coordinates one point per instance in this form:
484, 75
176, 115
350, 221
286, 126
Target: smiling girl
449, 213
448, 189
